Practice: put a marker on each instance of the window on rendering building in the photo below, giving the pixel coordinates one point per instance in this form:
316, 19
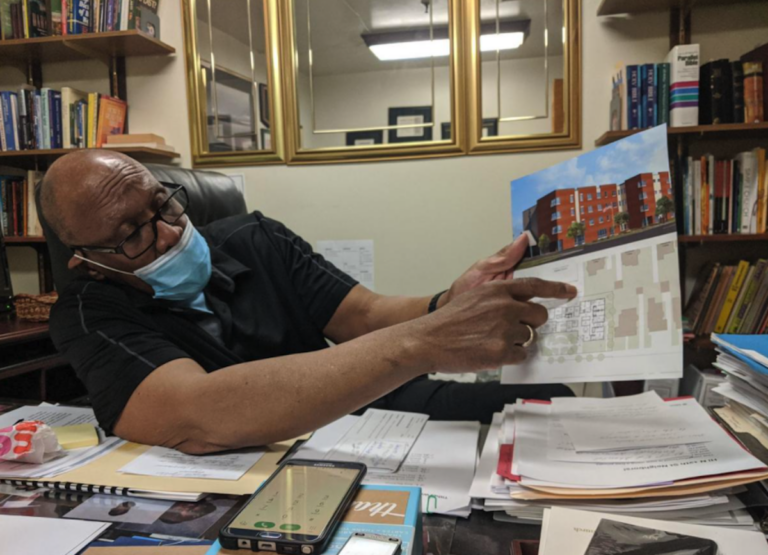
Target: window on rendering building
555, 202
573, 211
599, 206
602, 234
555, 216
643, 195
557, 229
571, 199
644, 208
581, 210
589, 196
600, 219
590, 209
591, 222
581, 197
598, 194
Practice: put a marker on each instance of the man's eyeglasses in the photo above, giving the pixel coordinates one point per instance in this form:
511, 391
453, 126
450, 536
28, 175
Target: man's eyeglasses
144, 237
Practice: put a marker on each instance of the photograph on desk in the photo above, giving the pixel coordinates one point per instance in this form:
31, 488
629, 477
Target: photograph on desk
604, 222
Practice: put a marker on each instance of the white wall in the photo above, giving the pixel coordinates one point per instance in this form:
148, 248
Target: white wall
430, 219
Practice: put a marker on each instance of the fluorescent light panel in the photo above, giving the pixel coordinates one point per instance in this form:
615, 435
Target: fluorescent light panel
442, 47
415, 44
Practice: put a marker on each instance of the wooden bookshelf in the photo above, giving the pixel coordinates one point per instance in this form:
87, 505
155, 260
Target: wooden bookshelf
724, 130
31, 241
722, 238
78, 47
30, 159
616, 7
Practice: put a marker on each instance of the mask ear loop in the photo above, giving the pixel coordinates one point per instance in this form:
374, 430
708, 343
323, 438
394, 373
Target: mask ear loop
89, 261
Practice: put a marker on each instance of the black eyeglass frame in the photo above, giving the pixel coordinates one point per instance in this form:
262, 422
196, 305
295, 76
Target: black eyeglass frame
177, 189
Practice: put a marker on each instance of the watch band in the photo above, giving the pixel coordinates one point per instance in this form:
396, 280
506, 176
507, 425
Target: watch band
433, 302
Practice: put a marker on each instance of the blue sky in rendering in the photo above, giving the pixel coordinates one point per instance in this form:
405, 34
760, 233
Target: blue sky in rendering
612, 164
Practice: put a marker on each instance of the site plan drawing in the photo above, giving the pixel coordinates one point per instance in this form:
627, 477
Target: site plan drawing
604, 222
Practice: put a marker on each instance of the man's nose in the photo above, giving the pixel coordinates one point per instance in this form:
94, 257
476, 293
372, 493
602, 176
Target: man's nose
167, 236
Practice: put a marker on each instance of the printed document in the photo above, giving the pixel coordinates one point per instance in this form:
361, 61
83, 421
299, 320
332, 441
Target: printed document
631, 422
161, 461
568, 532
381, 439
604, 222
442, 464
620, 468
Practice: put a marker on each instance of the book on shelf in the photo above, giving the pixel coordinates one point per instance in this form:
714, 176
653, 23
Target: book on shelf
683, 63
111, 119
21, 19
155, 146
727, 196
759, 54
729, 299
18, 212
43, 119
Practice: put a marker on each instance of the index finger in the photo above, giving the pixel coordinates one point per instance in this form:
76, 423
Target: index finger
527, 288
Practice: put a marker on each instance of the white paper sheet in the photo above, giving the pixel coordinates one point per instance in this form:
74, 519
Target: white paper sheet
55, 416
161, 461
442, 464
723, 454
354, 258
568, 532
606, 333
381, 439
631, 422
489, 461
46, 536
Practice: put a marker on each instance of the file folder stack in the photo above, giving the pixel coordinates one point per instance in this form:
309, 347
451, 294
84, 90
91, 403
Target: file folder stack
636, 456
744, 359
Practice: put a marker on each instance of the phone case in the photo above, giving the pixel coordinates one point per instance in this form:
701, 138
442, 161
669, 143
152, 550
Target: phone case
230, 541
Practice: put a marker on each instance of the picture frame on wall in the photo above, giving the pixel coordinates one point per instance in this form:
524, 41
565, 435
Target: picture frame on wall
445, 131
266, 139
264, 105
490, 127
365, 138
410, 115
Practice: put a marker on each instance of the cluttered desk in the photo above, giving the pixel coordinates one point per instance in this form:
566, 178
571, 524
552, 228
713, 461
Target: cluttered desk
574, 475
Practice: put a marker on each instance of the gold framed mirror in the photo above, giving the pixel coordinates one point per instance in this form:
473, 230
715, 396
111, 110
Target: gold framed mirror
523, 75
234, 86
372, 79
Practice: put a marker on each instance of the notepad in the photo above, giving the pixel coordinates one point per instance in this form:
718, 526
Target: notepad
77, 437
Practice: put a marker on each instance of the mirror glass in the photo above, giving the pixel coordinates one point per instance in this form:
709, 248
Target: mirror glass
523, 77
372, 72
231, 42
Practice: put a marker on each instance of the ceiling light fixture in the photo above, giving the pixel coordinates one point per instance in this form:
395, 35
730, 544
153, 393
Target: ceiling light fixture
414, 44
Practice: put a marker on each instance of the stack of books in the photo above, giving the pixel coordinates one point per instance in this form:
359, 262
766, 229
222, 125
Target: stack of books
729, 299
726, 196
681, 92
618, 455
47, 119
138, 140
24, 19
18, 211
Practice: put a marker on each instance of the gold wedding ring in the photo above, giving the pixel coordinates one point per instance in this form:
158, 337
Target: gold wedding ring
531, 338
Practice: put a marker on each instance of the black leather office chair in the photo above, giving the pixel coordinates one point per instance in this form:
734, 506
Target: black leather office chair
212, 196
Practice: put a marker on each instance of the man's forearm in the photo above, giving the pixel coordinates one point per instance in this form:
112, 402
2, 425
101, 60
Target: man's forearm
261, 402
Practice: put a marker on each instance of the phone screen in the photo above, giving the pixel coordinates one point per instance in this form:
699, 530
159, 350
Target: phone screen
298, 500
366, 546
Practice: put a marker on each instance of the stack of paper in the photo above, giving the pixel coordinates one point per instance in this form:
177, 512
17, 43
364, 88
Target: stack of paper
570, 532
638, 456
441, 460
744, 359
55, 416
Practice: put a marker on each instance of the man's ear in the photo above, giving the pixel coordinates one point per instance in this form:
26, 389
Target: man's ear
78, 264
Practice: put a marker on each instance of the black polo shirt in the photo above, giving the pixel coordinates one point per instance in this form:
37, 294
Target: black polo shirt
271, 294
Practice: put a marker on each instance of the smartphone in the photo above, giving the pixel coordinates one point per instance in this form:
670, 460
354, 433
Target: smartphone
361, 543
297, 509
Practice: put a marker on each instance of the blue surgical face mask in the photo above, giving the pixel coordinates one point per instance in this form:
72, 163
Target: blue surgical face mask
181, 273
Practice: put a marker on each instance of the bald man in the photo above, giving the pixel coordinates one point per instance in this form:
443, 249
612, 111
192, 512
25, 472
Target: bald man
216, 338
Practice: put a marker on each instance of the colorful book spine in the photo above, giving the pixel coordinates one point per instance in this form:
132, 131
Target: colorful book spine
753, 92
8, 123
56, 130
649, 84
684, 85
737, 91
662, 93
633, 92
730, 299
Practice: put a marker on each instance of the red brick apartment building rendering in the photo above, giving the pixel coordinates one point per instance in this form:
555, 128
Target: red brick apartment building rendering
596, 207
